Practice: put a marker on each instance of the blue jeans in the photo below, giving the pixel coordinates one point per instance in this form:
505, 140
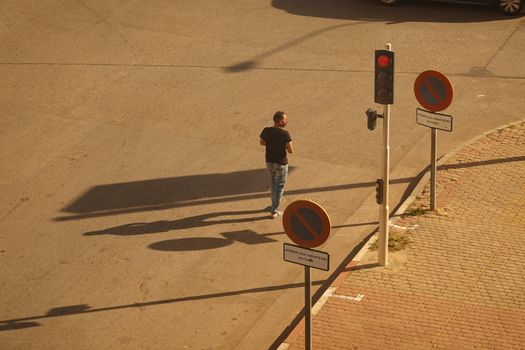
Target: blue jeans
278, 175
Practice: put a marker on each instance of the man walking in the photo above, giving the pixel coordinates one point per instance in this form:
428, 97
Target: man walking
277, 141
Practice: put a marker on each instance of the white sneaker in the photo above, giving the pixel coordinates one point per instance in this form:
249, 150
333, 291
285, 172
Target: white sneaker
275, 214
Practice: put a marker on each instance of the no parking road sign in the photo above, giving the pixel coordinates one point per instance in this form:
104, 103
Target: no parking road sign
306, 223
433, 91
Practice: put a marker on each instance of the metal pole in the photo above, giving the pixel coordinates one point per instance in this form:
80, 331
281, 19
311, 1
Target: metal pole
307, 309
384, 208
433, 152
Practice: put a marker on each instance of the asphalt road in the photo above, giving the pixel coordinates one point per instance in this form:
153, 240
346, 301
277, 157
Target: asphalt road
131, 176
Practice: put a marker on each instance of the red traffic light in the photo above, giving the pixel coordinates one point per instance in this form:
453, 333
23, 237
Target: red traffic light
384, 77
384, 61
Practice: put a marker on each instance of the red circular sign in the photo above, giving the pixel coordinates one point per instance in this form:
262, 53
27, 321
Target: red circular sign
306, 223
433, 91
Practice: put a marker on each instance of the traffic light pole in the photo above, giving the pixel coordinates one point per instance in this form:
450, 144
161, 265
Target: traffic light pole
384, 209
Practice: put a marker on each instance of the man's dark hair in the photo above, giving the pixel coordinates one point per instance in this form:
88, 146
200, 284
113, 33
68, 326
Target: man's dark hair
278, 116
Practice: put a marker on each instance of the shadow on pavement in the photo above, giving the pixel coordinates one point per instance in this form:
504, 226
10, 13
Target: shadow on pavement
140, 228
26, 322
247, 237
365, 12
362, 267
193, 243
409, 11
167, 193
159, 194
13, 326
204, 243
190, 244
156, 193
481, 163
254, 63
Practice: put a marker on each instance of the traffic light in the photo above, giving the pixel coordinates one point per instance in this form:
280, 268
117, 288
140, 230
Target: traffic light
384, 77
371, 115
379, 191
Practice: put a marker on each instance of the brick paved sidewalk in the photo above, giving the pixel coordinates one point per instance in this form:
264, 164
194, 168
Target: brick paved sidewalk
460, 284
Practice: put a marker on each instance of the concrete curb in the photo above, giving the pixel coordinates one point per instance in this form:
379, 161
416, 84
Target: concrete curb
418, 189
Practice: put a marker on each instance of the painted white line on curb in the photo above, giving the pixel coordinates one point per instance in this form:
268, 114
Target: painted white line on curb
283, 346
408, 228
359, 297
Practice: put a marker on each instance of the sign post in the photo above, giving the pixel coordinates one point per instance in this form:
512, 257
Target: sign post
433, 167
307, 309
434, 92
308, 225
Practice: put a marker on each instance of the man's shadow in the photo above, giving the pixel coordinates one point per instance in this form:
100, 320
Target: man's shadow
140, 228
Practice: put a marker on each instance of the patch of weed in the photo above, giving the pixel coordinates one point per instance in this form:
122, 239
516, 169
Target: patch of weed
396, 241
416, 211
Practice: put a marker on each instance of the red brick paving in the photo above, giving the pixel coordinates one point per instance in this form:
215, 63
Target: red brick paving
461, 282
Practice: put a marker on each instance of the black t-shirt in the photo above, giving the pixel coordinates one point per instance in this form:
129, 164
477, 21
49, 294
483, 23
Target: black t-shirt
276, 140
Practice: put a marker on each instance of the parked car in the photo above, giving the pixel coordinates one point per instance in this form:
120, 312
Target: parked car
509, 7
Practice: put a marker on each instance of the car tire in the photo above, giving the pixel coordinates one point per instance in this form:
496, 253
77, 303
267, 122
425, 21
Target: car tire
510, 7
389, 2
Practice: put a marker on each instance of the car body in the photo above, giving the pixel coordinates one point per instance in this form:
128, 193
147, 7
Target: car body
509, 7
